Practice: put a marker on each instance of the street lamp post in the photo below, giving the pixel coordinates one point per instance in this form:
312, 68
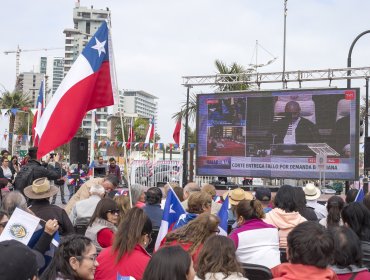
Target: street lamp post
186, 142
349, 64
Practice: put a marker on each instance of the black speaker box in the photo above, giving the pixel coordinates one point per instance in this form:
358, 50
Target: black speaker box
367, 153
78, 150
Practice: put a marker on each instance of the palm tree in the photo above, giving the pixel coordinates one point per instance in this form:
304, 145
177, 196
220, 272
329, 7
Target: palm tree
12, 100
222, 68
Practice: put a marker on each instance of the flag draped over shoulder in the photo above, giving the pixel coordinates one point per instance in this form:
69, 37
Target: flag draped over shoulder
171, 213
150, 133
37, 116
223, 215
176, 132
86, 86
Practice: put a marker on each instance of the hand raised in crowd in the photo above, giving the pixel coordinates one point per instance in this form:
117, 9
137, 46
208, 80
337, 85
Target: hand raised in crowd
51, 226
57, 157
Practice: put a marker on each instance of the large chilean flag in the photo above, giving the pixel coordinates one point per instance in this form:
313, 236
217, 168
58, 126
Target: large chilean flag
87, 86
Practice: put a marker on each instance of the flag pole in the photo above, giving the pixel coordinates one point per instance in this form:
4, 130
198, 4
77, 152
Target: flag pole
115, 94
92, 139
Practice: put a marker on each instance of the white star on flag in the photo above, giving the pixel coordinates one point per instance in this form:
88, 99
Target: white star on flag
99, 46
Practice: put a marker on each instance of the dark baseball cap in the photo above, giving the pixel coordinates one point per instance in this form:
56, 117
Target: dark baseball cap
19, 262
263, 194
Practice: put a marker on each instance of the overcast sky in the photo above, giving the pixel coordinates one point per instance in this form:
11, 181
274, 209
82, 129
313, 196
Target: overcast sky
158, 42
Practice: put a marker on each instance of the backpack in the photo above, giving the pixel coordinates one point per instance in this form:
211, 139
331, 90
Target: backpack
24, 178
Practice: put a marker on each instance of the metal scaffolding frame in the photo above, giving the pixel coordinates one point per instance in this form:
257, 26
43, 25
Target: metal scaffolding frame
255, 79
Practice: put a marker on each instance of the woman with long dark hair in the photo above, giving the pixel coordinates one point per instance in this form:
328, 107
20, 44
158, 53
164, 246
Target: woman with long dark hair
103, 223
75, 259
127, 256
217, 260
356, 216
170, 263
334, 205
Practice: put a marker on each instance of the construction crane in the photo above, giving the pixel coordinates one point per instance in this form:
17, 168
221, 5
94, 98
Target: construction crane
18, 52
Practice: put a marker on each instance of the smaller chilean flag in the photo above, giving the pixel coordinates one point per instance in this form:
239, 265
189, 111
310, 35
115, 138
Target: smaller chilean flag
150, 134
86, 86
37, 116
176, 132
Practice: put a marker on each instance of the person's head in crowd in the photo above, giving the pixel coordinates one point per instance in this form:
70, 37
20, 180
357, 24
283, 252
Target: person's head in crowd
210, 189
351, 195
106, 209
218, 256
112, 162
100, 160
347, 247
153, 196
249, 209
32, 152
199, 202
170, 263
4, 218
309, 243
300, 198
356, 216
3, 183
19, 262
4, 153
285, 199
168, 186
334, 206
75, 258
293, 110
123, 204
14, 160
237, 195
195, 232
179, 192
190, 188
5, 162
137, 194
97, 190
135, 229
263, 194
14, 200
366, 201
110, 183
312, 192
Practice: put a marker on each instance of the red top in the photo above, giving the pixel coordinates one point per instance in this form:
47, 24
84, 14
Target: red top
105, 237
132, 264
186, 247
288, 271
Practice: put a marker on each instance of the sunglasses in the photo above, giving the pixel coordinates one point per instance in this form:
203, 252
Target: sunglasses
114, 212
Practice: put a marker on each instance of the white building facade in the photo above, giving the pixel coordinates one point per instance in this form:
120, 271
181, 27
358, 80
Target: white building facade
86, 22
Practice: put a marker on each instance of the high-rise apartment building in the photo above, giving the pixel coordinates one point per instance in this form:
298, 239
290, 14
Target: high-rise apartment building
29, 84
86, 22
53, 69
139, 102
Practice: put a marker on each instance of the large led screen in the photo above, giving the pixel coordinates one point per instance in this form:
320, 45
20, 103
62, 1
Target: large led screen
279, 134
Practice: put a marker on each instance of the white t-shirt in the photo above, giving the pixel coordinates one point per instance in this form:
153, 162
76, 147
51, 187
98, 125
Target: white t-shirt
290, 134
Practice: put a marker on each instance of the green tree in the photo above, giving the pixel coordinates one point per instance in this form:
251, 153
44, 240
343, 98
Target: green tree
222, 68
12, 100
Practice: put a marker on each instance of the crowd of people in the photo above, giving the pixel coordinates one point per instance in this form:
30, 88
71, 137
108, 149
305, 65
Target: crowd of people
110, 234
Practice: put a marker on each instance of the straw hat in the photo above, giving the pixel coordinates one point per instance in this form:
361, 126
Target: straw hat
311, 192
40, 189
237, 195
